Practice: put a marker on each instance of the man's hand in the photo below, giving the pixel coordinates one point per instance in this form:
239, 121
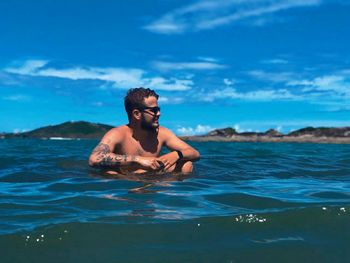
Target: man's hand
149, 162
169, 159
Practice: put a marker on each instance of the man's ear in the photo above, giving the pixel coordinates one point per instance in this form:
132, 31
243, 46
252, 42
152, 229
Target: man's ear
137, 114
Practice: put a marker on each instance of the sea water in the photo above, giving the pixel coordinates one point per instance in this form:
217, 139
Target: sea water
245, 202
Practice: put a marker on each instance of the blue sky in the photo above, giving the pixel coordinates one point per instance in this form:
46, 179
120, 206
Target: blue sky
252, 65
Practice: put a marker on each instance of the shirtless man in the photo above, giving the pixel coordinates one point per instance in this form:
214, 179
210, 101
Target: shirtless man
135, 148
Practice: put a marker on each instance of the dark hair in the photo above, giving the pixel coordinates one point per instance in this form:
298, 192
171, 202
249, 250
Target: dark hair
135, 99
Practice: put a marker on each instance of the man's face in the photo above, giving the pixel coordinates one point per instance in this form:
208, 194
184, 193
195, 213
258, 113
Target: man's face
150, 115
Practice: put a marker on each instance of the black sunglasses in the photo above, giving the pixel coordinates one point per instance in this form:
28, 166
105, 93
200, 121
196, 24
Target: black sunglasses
154, 110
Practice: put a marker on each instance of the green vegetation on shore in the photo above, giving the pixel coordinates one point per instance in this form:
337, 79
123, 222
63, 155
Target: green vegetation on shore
75, 130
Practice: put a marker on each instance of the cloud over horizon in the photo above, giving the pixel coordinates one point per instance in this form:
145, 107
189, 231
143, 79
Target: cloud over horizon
255, 95
334, 85
209, 14
199, 129
275, 85
198, 65
121, 78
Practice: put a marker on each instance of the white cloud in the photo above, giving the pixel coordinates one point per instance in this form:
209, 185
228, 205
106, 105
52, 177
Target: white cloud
16, 130
237, 128
199, 129
266, 7
166, 25
209, 14
230, 82
275, 61
172, 84
123, 78
251, 95
336, 84
167, 66
28, 67
8, 80
272, 76
208, 59
170, 100
333, 85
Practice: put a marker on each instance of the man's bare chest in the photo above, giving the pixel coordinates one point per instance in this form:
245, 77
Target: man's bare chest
146, 147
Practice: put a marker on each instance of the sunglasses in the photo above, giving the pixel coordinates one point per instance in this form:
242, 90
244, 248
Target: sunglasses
154, 110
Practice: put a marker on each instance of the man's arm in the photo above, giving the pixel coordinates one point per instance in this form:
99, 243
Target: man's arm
174, 144
103, 155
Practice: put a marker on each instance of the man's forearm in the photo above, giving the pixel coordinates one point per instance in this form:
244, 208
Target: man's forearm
103, 157
190, 154
112, 160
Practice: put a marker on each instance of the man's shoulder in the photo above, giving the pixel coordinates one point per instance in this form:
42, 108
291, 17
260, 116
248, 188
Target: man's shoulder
163, 131
122, 129
118, 131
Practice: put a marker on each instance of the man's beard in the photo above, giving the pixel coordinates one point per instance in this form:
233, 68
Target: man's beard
148, 126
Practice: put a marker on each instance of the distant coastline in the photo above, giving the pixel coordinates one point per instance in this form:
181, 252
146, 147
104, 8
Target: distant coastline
305, 135
64, 131
88, 130
283, 139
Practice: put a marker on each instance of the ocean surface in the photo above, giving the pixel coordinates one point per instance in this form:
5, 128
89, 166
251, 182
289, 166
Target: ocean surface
245, 202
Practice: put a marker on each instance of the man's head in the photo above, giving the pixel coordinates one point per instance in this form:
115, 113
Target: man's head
142, 105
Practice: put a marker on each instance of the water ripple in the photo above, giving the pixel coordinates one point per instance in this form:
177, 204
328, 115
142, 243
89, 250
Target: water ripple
51, 183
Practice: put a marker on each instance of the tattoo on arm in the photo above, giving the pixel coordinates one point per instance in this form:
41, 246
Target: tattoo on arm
103, 158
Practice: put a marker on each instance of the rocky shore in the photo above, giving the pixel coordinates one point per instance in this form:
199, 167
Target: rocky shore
305, 135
